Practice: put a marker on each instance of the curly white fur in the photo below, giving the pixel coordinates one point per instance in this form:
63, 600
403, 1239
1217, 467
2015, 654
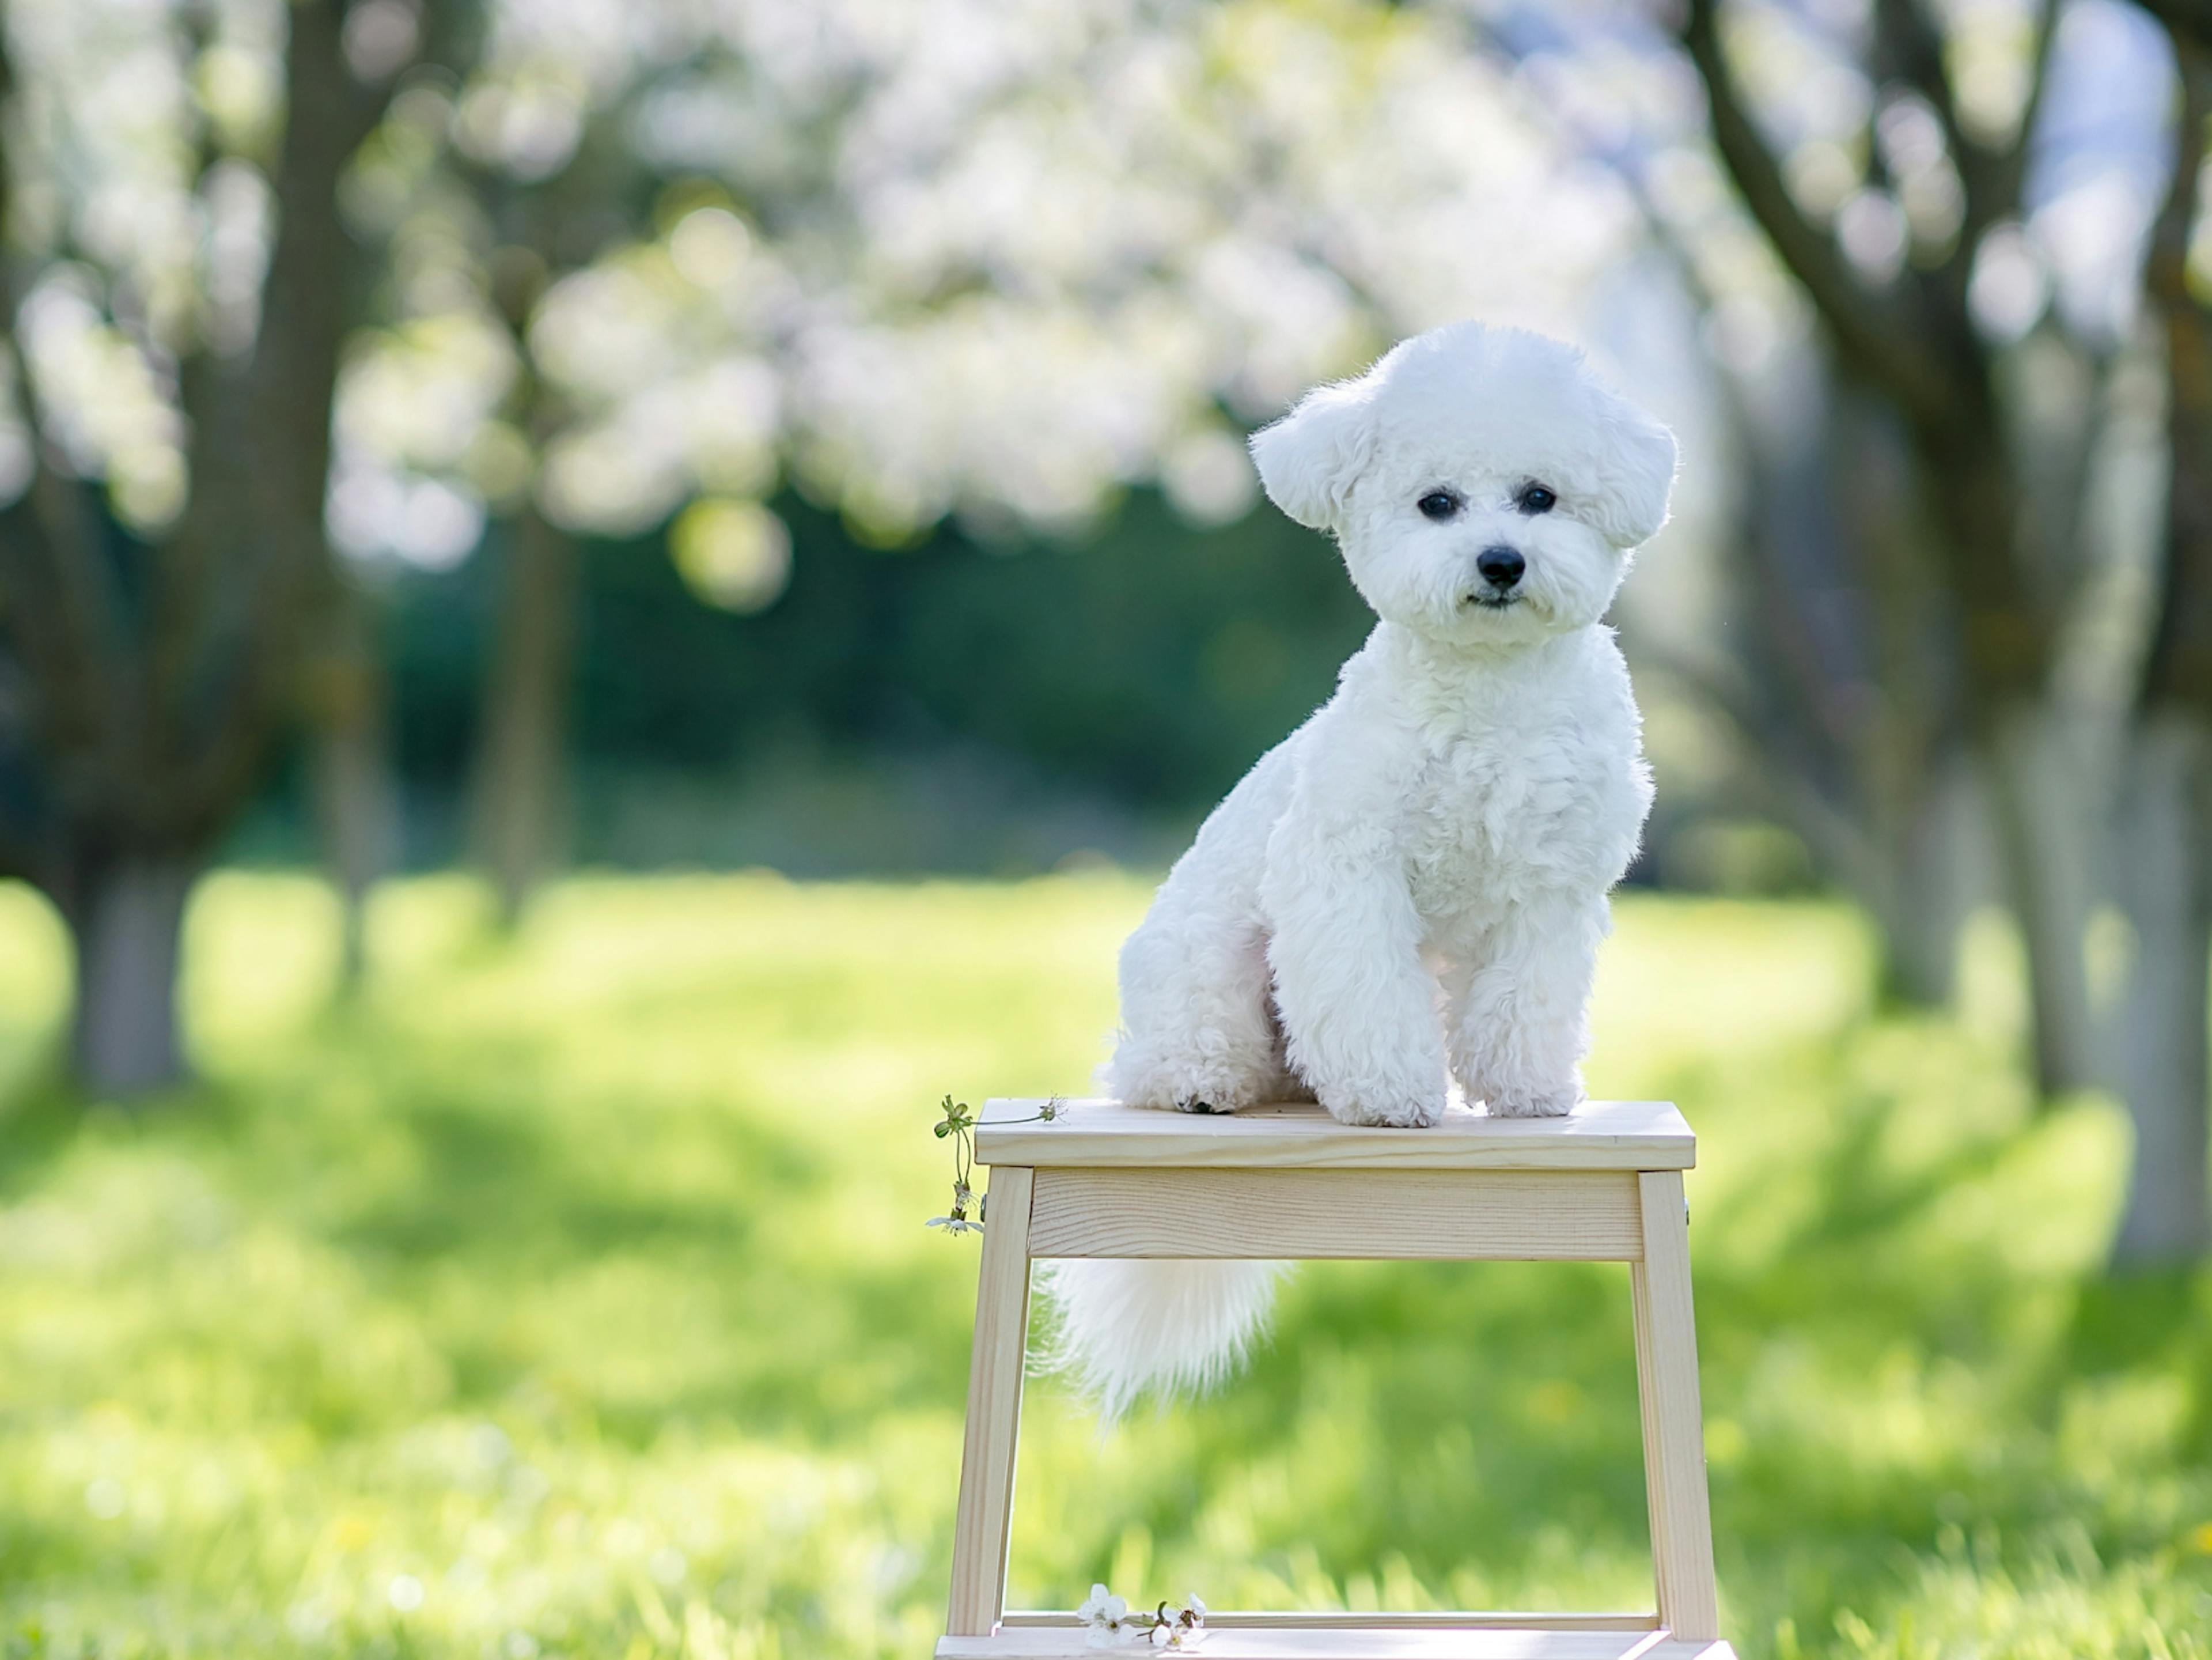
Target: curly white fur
1411, 889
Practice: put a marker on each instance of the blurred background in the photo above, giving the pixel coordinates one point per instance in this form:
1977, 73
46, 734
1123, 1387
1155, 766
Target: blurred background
601, 599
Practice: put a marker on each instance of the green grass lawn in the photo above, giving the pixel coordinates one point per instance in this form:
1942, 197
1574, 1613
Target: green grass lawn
571, 1297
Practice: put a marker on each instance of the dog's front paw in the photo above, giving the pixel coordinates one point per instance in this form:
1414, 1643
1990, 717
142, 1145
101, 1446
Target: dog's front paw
1395, 1111
1175, 1084
1532, 1103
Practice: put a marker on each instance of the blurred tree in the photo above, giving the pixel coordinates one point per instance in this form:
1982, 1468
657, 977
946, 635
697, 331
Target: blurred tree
518, 802
346, 706
530, 183
353, 784
160, 644
1839, 687
2007, 415
2165, 824
1892, 278
519, 797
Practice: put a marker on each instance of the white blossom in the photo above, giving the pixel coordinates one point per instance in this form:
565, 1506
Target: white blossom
1106, 1619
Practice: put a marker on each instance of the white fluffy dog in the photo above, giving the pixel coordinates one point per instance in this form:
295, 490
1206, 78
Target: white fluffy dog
1411, 889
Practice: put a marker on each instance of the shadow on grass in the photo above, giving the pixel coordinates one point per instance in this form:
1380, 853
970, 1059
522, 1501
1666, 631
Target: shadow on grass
497, 1184
2146, 1318
38, 1123
1864, 1194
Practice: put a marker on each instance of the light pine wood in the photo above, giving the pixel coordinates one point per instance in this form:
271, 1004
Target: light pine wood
1333, 1619
1371, 1642
982, 1527
1106, 1179
1617, 1135
1673, 1422
1590, 1216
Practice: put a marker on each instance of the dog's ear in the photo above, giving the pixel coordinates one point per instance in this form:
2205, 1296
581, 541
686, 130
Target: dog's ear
1636, 472
1310, 458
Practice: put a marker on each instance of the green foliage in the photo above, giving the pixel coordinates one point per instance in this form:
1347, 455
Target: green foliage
573, 1298
1143, 667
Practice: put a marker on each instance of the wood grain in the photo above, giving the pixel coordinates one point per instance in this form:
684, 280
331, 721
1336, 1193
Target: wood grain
1674, 1423
1603, 1136
982, 1524
1447, 1215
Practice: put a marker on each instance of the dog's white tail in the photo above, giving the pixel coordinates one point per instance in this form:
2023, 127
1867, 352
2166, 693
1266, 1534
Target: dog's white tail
1127, 1325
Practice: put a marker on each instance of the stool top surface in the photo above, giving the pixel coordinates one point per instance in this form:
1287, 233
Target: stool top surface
1598, 1135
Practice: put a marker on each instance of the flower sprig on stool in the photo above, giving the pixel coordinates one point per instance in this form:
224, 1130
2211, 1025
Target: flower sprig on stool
958, 1123
1107, 1623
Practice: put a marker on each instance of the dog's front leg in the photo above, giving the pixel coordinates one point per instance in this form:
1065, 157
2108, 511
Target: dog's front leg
1358, 1006
1519, 1032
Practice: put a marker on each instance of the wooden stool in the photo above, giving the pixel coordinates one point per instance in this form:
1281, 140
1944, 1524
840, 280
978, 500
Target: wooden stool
1100, 1179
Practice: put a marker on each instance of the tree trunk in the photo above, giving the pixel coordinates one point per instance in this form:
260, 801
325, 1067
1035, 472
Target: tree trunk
2164, 835
357, 815
127, 913
356, 806
1931, 878
2041, 808
521, 775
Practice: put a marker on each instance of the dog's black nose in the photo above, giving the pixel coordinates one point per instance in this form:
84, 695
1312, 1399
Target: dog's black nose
1501, 567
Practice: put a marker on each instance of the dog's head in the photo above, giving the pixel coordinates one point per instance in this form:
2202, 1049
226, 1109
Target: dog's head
1484, 484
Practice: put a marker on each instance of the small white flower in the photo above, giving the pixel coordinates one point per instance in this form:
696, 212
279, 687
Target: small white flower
1105, 1618
1182, 1630
1095, 1607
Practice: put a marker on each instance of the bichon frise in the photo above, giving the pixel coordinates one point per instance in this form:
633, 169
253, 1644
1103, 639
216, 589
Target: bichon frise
1411, 889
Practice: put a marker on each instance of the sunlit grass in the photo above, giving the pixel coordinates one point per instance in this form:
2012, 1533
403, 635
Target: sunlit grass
569, 1296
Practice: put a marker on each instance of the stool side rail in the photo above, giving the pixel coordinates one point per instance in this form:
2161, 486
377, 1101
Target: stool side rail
1583, 1216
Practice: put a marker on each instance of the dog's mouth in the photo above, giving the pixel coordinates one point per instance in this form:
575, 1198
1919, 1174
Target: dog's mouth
1490, 601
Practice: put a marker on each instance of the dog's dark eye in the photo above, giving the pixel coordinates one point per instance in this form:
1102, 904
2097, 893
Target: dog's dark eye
1534, 498
1439, 504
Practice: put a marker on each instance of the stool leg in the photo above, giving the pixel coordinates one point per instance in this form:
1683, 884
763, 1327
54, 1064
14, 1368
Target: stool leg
982, 1525
1674, 1423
